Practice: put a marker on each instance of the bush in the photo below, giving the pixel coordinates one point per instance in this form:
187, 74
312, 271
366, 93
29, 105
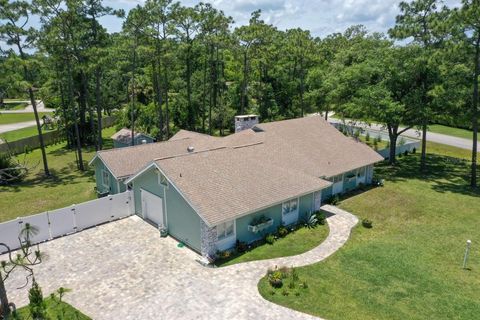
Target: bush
304, 284
321, 217
285, 292
282, 231
402, 141
414, 150
333, 200
375, 145
310, 220
275, 278
241, 246
405, 153
367, 223
225, 254
291, 285
367, 136
270, 238
37, 306
379, 138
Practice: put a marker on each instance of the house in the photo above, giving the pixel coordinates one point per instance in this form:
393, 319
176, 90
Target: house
123, 138
209, 192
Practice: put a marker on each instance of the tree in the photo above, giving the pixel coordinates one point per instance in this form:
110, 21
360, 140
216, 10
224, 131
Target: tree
469, 18
15, 32
26, 258
422, 20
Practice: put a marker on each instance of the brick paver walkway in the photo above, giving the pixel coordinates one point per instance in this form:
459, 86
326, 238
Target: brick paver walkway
124, 270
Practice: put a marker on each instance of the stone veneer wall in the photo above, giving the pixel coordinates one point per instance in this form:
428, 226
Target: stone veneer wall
208, 238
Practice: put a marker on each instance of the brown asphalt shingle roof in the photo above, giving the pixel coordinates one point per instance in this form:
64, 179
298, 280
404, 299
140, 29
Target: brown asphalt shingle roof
228, 177
226, 183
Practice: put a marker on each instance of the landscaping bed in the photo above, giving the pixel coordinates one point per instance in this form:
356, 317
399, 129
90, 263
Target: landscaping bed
408, 265
300, 240
55, 310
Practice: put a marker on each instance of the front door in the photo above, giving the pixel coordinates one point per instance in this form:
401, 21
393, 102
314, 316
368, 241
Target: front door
152, 208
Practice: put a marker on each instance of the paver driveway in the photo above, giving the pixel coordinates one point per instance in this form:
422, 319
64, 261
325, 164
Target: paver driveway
124, 270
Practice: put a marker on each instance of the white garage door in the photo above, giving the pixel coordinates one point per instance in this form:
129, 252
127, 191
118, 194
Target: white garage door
152, 208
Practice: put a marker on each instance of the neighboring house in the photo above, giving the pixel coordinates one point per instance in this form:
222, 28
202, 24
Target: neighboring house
210, 192
123, 138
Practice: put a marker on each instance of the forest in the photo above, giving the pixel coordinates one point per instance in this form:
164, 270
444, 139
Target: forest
177, 67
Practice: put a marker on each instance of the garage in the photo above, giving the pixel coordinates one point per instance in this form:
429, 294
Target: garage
152, 208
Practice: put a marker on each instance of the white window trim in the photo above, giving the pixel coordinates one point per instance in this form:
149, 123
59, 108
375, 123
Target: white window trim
291, 212
233, 235
103, 178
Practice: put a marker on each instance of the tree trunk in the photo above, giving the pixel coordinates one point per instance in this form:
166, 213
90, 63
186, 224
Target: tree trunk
393, 149
473, 179
75, 119
190, 114
204, 98
37, 119
89, 108
158, 94
4, 307
98, 102
132, 113
167, 112
214, 89
423, 158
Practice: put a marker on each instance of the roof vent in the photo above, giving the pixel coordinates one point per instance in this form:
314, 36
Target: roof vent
190, 149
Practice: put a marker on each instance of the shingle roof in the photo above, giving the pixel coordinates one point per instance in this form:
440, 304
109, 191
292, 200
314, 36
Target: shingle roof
125, 135
227, 183
124, 162
227, 177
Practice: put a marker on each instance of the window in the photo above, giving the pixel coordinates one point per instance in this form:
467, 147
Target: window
290, 206
361, 172
105, 178
337, 178
225, 230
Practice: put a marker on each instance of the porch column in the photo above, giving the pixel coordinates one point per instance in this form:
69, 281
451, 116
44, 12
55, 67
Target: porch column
208, 238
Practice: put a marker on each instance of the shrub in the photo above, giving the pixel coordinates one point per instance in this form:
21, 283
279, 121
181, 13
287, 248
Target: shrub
333, 200
321, 217
379, 138
275, 279
241, 246
282, 231
414, 150
285, 292
367, 223
375, 145
367, 136
294, 274
284, 271
297, 293
225, 254
402, 141
310, 220
272, 292
37, 306
291, 285
405, 153
270, 238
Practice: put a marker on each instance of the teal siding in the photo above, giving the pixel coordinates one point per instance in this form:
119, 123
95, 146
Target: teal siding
326, 193
306, 205
183, 223
242, 223
113, 186
350, 183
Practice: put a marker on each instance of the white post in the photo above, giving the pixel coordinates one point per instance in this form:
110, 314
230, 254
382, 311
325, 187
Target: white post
467, 251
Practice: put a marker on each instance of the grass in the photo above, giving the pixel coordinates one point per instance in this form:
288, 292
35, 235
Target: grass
14, 105
409, 265
9, 118
21, 133
451, 131
383, 144
37, 193
299, 241
55, 310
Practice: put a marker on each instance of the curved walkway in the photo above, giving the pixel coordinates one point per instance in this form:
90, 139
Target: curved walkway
129, 272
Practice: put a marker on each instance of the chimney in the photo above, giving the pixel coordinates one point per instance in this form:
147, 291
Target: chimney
245, 122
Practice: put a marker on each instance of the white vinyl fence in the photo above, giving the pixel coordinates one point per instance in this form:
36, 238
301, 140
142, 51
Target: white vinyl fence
60, 222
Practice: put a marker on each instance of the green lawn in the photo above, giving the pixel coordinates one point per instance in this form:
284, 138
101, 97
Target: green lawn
13, 105
55, 310
383, 144
67, 185
297, 242
9, 118
451, 131
409, 265
21, 133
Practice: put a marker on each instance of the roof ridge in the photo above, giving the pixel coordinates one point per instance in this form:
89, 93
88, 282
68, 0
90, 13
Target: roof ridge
187, 154
141, 144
